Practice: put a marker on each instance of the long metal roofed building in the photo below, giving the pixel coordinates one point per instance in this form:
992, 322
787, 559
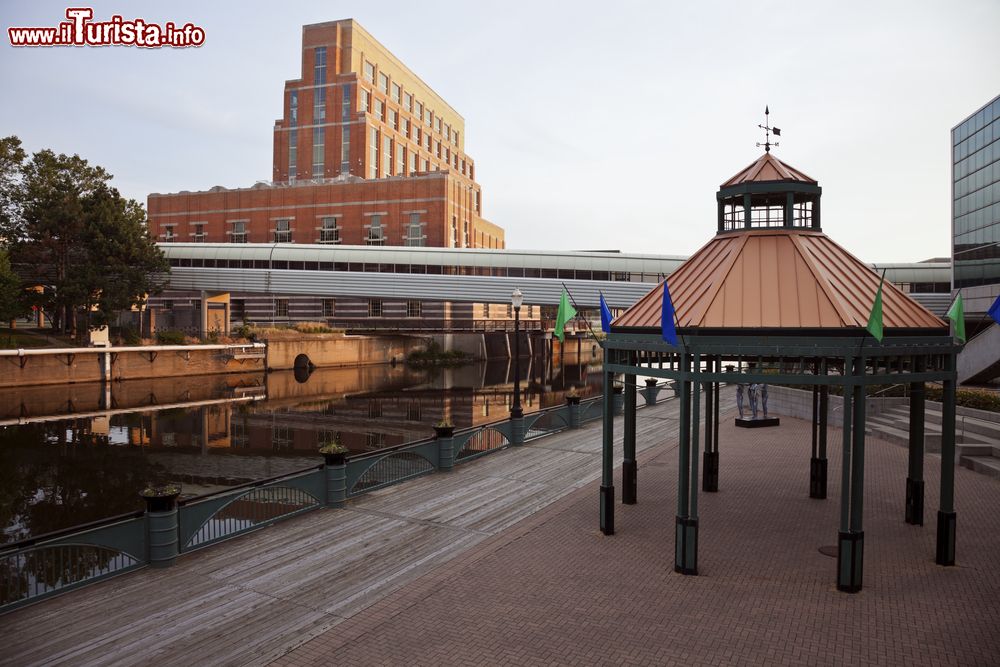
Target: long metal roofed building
424, 287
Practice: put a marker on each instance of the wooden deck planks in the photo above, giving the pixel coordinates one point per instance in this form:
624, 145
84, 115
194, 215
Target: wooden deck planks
254, 597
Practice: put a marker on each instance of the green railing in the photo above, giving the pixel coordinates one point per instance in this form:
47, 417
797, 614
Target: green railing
39, 567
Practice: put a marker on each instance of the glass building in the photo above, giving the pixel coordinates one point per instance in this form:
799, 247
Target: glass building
976, 207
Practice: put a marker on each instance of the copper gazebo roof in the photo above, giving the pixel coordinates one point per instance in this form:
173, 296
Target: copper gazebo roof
768, 168
776, 278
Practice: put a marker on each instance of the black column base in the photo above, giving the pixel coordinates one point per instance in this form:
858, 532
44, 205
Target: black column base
945, 538
710, 476
686, 550
915, 501
608, 510
817, 478
629, 484
850, 561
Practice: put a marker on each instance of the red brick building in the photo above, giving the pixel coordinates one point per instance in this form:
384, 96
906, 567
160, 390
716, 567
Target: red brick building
365, 154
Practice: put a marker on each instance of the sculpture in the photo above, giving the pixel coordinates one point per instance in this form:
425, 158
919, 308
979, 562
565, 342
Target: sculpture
763, 398
739, 399
753, 399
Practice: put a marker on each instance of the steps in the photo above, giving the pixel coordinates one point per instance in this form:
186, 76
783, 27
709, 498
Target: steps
977, 434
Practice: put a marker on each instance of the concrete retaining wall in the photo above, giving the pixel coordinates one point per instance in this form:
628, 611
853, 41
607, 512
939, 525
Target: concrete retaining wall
66, 369
338, 350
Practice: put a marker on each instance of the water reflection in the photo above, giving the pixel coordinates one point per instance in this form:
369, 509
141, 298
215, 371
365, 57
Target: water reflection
77, 453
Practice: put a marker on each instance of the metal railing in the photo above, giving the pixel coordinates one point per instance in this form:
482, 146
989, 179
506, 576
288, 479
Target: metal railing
39, 567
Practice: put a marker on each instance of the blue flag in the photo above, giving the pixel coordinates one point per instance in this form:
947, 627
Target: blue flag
994, 311
605, 316
667, 317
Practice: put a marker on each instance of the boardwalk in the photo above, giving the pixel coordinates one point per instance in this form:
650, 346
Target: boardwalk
256, 597
502, 562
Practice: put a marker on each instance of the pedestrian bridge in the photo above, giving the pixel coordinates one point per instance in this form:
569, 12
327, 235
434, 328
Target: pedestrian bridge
478, 275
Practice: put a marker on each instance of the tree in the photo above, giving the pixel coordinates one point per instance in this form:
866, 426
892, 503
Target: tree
12, 296
77, 237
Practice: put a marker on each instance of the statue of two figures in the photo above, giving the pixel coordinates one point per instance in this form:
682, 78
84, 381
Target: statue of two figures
755, 392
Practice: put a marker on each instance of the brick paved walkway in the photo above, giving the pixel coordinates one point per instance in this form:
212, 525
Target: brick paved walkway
553, 590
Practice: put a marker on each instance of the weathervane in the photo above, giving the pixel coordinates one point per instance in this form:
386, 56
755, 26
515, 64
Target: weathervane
767, 132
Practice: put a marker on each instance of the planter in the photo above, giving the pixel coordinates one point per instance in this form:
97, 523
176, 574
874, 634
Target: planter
158, 501
444, 431
335, 459
618, 390
651, 382
572, 400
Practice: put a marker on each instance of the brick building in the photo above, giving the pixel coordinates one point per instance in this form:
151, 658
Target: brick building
365, 154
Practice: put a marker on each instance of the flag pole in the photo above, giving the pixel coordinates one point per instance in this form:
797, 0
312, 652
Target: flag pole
586, 321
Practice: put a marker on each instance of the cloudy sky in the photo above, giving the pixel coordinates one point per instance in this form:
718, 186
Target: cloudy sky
593, 124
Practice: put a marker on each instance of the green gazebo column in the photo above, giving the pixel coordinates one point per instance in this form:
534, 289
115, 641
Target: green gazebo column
946, 512
850, 554
710, 459
686, 536
607, 460
629, 467
715, 431
818, 463
915, 475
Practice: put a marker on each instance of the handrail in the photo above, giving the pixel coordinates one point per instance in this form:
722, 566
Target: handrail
41, 351
71, 530
247, 485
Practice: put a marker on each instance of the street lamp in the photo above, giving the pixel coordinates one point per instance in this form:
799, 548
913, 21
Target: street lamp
516, 299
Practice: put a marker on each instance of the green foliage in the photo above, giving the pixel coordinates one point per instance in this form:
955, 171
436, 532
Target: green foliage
968, 398
435, 356
333, 447
13, 303
170, 337
72, 233
12, 339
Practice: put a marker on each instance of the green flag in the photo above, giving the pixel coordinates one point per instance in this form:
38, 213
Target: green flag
565, 314
957, 316
875, 318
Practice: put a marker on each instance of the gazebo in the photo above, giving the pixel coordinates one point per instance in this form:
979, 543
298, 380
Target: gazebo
778, 301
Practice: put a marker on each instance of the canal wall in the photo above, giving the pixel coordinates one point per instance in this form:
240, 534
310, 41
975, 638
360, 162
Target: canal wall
40, 366
337, 349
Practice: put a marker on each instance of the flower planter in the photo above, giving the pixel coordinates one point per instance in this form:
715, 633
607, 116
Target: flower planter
161, 500
572, 400
444, 431
337, 459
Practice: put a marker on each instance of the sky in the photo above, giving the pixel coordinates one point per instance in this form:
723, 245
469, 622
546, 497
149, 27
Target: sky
593, 125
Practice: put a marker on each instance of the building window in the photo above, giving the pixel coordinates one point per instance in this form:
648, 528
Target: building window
393, 120
281, 308
369, 72
319, 66
319, 105
413, 412
238, 310
293, 108
408, 102
413, 162
437, 124
283, 230
375, 440
168, 235
413, 309
345, 104
198, 235
364, 101
380, 109
373, 169
345, 149
375, 308
374, 408
293, 153
454, 138
318, 148
329, 231
414, 231
239, 232
328, 307
428, 117
383, 82
400, 159
465, 234
454, 232
419, 113
376, 232
394, 94
387, 155
406, 128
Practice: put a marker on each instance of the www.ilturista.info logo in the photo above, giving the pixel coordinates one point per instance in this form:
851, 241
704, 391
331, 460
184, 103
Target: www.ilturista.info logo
79, 30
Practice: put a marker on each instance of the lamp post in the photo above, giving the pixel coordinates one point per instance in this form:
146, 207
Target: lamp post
516, 299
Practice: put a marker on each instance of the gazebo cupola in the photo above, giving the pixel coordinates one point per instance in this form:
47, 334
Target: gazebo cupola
768, 194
